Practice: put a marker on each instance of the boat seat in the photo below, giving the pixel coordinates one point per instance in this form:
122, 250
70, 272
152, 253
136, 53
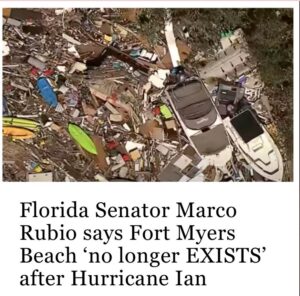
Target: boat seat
194, 105
202, 121
211, 142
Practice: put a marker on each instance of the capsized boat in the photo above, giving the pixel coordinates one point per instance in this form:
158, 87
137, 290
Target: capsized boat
255, 145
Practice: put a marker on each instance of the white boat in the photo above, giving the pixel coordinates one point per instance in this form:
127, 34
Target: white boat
197, 113
201, 122
255, 145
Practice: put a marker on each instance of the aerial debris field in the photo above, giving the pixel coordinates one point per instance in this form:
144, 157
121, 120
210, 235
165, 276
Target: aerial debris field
88, 95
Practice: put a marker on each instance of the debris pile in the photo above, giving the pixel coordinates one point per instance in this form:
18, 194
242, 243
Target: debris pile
85, 100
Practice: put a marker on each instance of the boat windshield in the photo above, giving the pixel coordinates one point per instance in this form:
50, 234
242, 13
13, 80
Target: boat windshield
247, 126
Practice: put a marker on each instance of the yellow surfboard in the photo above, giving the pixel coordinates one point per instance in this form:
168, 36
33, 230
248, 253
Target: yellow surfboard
17, 133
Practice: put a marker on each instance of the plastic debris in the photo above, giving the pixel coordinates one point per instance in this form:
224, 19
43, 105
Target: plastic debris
5, 48
70, 39
40, 177
36, 63
47, 92
80, 67
85, 98
166, 112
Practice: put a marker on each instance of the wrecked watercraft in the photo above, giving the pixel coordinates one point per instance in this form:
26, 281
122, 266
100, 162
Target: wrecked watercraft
200, 120
256, 145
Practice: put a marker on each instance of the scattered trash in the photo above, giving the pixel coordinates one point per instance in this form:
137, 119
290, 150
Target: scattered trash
162, 149
5, 49
80, 67
132, 145
165, 111
159, 77
5, 110
41, 177
135, 154
36, 63
70, 39
13, 22
116, 117
123, 172
86, 97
